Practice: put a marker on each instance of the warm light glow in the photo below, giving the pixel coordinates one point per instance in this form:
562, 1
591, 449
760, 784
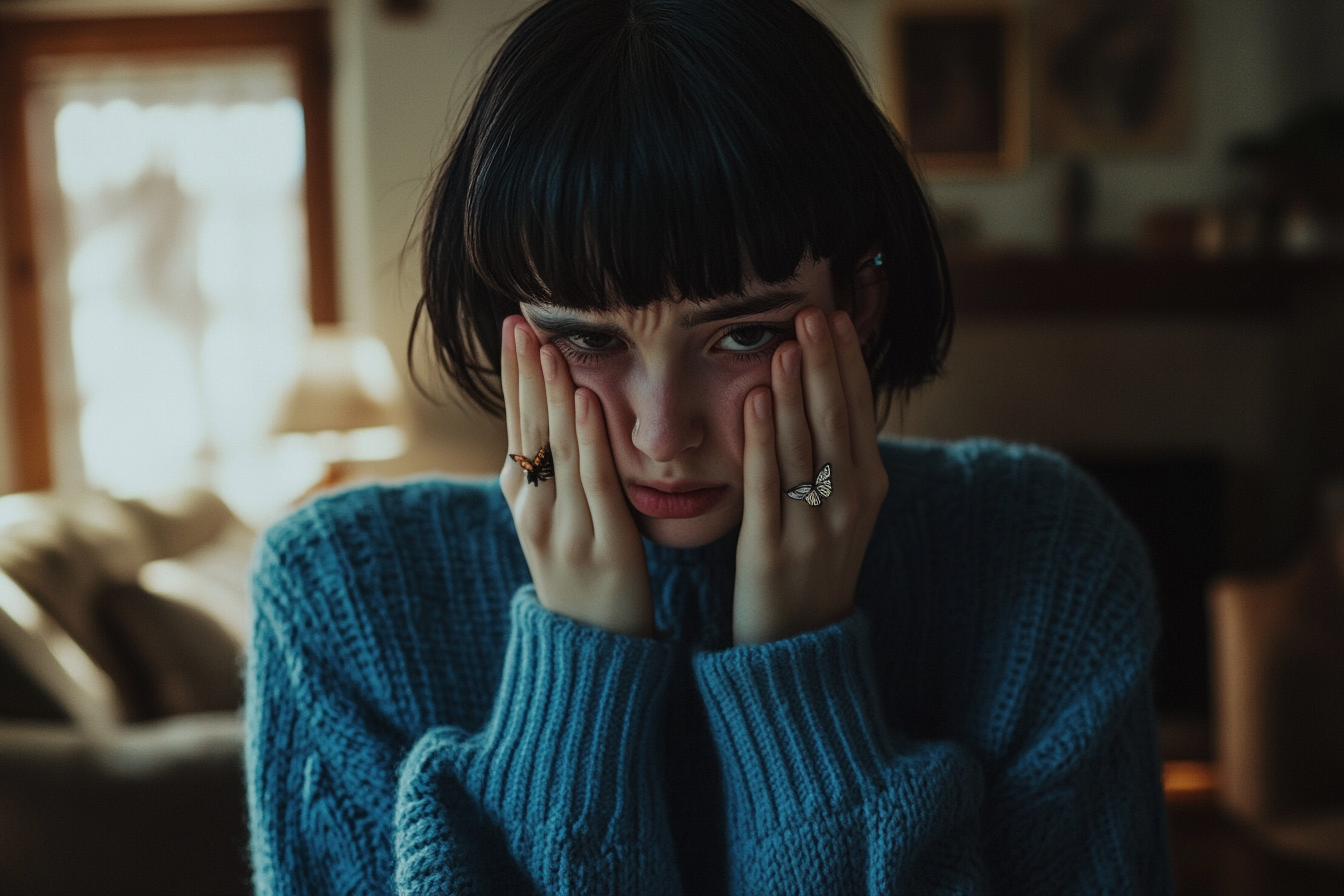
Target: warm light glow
374, 368
187, 274
369, 443
248, 147
141, 429
1188, 780
79, 171
20, 607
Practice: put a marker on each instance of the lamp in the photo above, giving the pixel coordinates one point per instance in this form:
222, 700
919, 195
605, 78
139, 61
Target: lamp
347, 398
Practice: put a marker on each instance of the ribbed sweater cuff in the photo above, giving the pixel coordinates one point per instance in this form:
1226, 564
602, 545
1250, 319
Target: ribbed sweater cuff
797, 722
574, 731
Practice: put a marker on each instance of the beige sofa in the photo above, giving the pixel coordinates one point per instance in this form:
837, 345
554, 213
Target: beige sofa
122, 631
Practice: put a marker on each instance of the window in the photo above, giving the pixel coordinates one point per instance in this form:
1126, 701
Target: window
169, 228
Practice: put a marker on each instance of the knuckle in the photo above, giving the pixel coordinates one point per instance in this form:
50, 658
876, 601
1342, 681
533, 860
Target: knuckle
789, 398
532, 524
573, 552
798, 444
834, 418
564, 451
595, 488
802, 542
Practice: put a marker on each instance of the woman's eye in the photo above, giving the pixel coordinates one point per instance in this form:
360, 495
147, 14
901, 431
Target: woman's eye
592, 342
747, 339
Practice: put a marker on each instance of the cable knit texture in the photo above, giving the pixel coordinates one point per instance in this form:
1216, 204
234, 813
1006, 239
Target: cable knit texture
418, 723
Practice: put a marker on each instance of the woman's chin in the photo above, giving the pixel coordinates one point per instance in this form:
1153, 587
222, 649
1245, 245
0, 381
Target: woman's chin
692, 532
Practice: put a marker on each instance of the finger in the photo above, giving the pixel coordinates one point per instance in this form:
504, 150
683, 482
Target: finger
615, 539
597, 469
571, 505
823, 394
533, 423
508, 381
793, 440
762, 490
858, 387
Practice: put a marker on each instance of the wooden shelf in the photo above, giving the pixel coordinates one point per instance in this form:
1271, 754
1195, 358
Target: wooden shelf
1029, 285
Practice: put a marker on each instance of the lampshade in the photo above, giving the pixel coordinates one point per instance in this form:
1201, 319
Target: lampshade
347, 393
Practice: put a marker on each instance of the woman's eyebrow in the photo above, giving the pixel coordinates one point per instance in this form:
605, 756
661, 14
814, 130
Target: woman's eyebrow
742, 306
738, 306
560, 323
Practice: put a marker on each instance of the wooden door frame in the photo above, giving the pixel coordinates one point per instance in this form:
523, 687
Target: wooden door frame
302, 34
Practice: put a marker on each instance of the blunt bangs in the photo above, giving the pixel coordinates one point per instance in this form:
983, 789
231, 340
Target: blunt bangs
624, 152
657, 165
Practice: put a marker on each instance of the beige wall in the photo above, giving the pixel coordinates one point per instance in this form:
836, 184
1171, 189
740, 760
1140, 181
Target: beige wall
399, 87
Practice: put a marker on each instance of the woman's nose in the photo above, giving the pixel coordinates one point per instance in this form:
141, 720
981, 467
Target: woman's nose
667, 422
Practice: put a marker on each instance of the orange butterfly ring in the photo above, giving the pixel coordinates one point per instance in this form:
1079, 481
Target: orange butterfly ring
538, 468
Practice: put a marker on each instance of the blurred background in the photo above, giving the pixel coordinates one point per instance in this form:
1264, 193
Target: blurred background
209, 270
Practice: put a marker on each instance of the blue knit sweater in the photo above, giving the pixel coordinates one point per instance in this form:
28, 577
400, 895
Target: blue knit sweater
417, 722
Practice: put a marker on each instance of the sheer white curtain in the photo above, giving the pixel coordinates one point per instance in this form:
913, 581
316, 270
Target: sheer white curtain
173, 237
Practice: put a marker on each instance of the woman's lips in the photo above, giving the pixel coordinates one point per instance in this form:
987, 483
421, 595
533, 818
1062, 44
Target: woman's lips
674, 501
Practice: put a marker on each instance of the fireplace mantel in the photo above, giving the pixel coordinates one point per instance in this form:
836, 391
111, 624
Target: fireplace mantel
1021, 284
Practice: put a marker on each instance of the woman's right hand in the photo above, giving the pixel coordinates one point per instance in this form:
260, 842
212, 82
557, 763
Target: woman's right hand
580, 541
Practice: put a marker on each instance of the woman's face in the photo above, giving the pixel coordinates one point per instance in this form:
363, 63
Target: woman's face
673, 378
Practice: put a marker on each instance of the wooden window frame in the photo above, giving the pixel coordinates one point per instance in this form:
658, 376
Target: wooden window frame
300, 34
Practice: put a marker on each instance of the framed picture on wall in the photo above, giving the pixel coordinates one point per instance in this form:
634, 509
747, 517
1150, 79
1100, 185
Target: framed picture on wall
959, 81
1111, 75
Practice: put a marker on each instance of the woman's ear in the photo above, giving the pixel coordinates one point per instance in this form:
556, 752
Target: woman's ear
870, 294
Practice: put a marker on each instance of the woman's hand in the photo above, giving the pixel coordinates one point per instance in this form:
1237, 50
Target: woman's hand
798, 562
578, 536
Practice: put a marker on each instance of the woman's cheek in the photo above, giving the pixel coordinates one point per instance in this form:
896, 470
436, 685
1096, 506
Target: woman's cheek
733, 388
609, 386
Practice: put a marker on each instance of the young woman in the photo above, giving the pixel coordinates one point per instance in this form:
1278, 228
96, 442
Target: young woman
706, 633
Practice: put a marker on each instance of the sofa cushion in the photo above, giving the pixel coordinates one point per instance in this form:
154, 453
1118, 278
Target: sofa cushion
177, 658
77, 623
42, 657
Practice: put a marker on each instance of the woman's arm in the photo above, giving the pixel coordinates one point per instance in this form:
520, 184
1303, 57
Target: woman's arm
561, 788
821, 798
558, 792
1039, 625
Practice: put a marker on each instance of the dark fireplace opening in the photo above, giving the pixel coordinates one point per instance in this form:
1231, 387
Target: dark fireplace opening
1176, 502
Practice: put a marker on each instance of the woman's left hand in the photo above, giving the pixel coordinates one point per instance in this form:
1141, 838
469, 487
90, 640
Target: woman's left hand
798, 560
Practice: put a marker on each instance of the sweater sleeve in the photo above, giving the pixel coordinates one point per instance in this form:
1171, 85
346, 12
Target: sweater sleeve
820, 796
563, 782
558, 792
1037, 773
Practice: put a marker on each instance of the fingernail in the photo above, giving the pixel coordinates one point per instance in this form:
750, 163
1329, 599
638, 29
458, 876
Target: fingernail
812, 322
788, 356
519, 339
760, 405
843, 326
548, 363
580, 406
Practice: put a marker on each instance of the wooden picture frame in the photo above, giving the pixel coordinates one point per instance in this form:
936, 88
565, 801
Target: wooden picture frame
959, 82
1111, 76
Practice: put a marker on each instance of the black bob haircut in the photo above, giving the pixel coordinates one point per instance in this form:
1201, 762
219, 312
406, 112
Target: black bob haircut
622, 152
